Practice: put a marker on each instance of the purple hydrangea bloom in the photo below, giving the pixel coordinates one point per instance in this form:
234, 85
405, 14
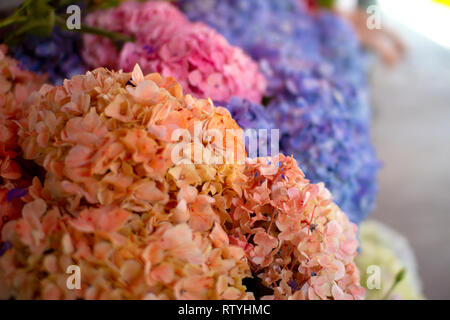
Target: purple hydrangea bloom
56, 55
341, 47
257, 125
317, 90
328, 134
249, 114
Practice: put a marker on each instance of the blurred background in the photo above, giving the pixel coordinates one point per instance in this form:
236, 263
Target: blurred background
411, 130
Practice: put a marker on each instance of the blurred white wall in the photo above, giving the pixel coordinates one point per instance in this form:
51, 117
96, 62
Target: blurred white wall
411, 130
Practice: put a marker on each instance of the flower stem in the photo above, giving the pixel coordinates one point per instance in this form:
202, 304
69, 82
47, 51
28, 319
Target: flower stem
114, 36
399, 277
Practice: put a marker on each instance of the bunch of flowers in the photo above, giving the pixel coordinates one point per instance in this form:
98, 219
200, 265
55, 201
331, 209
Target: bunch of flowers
16, 86
317, 92
139, 224
166, 42
386, 248
57, 55
300, 245
114, 203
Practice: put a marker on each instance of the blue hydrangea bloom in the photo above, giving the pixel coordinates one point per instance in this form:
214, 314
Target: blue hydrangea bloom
329, 137
261, 28
317, 90
57, 55
341, 47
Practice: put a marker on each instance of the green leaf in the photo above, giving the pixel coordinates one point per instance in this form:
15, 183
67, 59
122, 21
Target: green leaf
326, 3
39, 26
18, 16
398, 278
11, 20
34, 17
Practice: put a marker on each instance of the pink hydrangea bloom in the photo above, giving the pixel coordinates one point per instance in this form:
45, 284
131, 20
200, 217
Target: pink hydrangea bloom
298, 242
166, 42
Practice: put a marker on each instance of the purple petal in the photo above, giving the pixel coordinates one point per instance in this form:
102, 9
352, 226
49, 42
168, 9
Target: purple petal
16, 193
4, 246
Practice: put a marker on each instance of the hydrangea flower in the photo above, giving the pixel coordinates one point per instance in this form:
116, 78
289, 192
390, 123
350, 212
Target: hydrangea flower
386, 248
114, 203
317, 92
16, 87
166, 42
324, 124
58, 55
298, 242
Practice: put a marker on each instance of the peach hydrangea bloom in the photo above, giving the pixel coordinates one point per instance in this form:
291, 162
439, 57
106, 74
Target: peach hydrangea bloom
16, 87
166, 42
121, 255
298, 242
114, 203
102, 140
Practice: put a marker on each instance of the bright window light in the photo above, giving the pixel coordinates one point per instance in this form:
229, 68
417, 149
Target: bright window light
427, 17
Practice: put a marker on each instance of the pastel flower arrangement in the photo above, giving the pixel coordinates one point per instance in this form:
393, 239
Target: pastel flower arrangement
167, 42
88, 175
317, 94
289, 53
141, 226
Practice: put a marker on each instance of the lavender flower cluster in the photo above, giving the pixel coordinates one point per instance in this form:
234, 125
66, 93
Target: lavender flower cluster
325, 131
260, 140
58, 55
341, 47
317, 91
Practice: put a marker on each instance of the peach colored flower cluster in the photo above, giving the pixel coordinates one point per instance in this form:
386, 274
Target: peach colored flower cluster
166, 42
140, 226
298, 242
113, 203
16, 86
